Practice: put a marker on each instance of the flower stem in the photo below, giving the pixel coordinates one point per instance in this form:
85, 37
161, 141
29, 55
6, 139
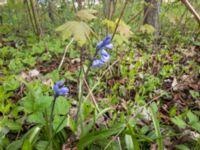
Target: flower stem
122, 12
51, 121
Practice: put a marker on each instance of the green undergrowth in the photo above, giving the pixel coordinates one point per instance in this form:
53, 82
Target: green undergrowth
146, 97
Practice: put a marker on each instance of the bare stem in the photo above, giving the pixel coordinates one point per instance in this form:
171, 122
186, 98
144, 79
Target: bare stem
122, 12
63, 58
51, 121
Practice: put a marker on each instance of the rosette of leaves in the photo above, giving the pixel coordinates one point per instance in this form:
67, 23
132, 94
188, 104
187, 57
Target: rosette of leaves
78, 28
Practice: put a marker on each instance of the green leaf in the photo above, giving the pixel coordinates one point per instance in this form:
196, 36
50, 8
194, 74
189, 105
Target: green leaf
195, 94
13, 125
179, 122
62, 106
109, 24
149, 29
98, 135
124, 29
154, 109
36, 117
41, 145
196, 126
192, 117
181, 147
27, 145
16, 145
129, 142
59, 123
11, 84
86, 14
79, 30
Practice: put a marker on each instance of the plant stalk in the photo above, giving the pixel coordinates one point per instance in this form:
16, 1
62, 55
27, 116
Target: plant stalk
122, 13
51, 121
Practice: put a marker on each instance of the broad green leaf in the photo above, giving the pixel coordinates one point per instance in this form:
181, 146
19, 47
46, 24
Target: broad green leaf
195, 94
192, 117
196, 126
26, 145
41, 145
59, 123
62, 106
78, 29
11, 83
36, 117
98, 135
182, 147
16, 145
86, 14
179, 122
129, 142
13, 125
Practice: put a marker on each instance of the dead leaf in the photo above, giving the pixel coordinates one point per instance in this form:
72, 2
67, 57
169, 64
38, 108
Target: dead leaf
174, 84
34, 73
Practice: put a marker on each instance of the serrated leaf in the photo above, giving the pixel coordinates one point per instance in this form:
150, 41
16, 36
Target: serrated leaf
149, 29
86, 14
124, 29
79, 30
179, 122
109, 24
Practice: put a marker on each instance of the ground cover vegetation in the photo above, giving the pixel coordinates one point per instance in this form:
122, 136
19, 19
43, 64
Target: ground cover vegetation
95, 75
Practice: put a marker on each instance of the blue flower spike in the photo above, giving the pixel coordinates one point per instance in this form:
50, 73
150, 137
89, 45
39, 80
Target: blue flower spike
60, 89
105, 57
106, 41
97, 63
101, 46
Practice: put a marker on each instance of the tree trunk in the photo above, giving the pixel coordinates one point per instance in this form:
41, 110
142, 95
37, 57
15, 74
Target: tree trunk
50, 11
151, 14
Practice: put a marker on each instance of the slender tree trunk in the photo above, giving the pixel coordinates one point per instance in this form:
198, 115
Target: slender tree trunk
50, 11
109, 8
35, 17
151, 14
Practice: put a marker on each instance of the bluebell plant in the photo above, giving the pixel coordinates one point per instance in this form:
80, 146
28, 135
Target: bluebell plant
59, 89
105, 57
